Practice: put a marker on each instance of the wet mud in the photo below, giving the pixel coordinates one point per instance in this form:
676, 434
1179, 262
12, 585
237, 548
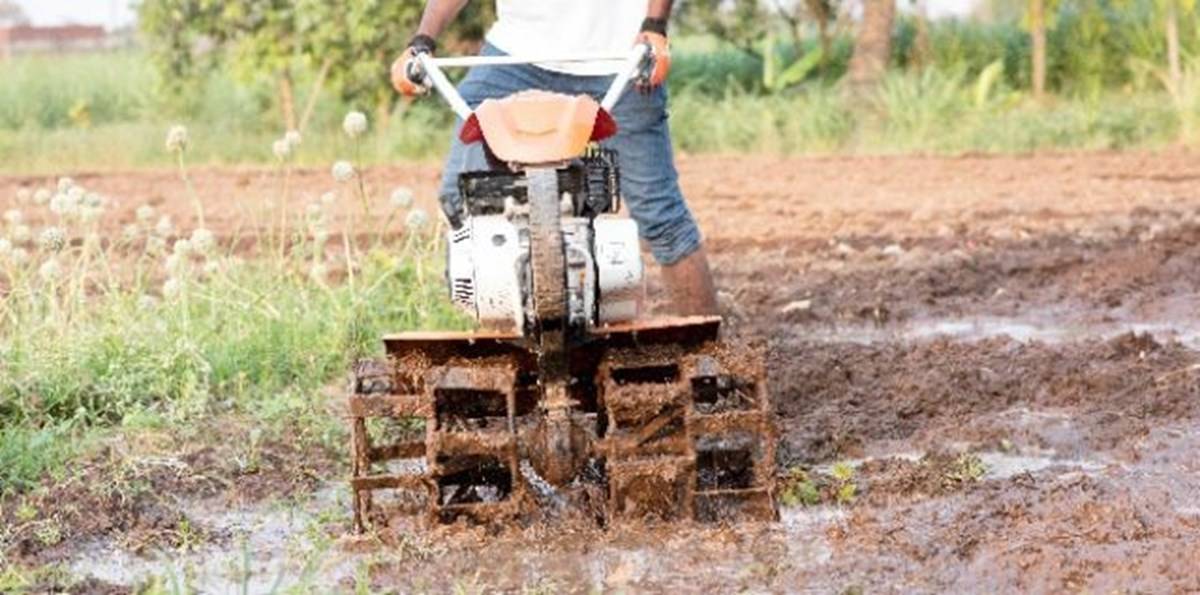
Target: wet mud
148, 496
986, 373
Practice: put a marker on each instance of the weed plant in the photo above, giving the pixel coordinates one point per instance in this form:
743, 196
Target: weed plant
159, 325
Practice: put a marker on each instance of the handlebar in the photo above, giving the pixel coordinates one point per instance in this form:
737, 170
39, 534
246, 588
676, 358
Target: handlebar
634, 63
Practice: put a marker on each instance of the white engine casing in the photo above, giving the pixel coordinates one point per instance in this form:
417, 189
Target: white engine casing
620, 269
489, 277
486, 267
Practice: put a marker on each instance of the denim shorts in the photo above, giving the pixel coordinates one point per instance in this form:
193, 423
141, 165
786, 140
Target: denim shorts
649, 181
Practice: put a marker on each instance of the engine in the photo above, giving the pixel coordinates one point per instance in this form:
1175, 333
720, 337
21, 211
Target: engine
489, 269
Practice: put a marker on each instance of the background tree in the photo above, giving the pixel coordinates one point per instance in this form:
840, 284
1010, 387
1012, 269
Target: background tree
354, 44
12, 14
182, 37
266, 43
345, 46
1000, 11
873, 45
1172, 11
1037, 33
743, 24
922, 49
826, 15
755, 29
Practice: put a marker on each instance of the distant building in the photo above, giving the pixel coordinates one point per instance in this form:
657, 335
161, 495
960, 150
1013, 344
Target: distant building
29, 39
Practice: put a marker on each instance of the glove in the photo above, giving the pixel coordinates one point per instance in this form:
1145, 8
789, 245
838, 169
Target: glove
654, 34
407, 75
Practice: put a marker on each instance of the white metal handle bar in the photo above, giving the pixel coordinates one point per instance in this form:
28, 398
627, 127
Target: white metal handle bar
468, 61
434, 77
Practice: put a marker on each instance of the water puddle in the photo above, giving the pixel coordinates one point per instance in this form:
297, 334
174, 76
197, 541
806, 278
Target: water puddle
1166, 459
277, 547
999, 465
977, 328
739, 554
1005, 465
261, 548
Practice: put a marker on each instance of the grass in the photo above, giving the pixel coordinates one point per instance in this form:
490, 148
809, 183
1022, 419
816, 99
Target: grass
19, 580
930, 112
68, 115
157, 326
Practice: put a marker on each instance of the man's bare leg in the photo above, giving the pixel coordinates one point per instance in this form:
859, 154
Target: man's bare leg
690, 286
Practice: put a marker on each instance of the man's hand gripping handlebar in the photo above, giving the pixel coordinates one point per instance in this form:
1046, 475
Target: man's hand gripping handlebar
408, 76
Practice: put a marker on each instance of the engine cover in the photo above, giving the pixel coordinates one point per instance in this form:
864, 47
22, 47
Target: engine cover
489, 273
487, 266
619, 269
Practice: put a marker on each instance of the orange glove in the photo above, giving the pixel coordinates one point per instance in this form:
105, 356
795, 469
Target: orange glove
406, 68
401, 81
661, 49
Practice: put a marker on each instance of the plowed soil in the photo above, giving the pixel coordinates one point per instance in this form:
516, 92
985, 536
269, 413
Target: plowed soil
1002, 351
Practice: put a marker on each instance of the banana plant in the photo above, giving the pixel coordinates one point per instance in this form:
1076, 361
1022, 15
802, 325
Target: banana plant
778, 76
1040, 15
986, 83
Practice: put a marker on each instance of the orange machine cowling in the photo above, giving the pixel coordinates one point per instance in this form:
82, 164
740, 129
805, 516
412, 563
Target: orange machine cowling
538, 127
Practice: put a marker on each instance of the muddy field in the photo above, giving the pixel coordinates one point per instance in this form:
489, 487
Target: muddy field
987, 373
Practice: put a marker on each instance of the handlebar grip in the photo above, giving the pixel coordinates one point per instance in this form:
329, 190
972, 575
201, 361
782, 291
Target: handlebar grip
645, 68
415, 73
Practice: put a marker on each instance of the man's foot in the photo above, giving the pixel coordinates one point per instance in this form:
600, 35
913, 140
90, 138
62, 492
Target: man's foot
690, 286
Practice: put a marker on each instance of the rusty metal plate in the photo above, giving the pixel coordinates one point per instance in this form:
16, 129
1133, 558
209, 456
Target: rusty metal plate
692, 330
441, 347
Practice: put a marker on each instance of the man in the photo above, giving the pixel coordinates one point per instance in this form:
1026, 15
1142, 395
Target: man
649, 180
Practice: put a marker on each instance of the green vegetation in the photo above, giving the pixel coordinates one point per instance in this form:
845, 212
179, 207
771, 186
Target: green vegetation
966, 468
933, 110
68, 114
19, 580
799, 489
311, 45
758, 85
161, 326
802, 488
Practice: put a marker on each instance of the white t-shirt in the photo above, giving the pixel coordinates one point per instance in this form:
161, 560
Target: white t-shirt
541, 27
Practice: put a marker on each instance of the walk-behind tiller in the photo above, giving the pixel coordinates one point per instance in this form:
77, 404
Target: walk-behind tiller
570, 401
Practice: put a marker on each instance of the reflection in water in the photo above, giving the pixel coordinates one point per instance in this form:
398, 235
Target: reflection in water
978, 328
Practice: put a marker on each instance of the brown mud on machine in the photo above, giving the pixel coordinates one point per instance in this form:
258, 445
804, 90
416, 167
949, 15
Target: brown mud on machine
579, 406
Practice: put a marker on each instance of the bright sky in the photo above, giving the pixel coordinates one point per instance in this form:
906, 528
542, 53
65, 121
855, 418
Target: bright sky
941, 8
110, 13
113, 13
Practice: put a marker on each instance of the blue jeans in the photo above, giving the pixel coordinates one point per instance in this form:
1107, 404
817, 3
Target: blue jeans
649, 181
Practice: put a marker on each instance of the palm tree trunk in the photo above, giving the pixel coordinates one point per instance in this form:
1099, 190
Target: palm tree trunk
821, 12
873, 47
1037, 26
922, 50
